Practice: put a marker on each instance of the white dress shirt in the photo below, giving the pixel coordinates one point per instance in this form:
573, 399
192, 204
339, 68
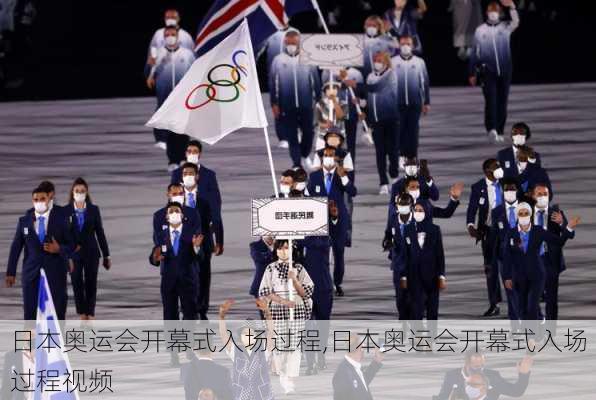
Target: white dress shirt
358, 367
545, 222
46, 216
344, 179
186, 192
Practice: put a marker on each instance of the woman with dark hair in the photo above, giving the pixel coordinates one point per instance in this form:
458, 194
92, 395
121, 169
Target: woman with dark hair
275, 289
87, 229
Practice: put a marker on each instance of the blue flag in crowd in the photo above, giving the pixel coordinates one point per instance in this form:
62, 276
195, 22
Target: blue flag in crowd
49, 349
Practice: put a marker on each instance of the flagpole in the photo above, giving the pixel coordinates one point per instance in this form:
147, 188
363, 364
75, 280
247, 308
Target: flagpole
266, 133
315, 4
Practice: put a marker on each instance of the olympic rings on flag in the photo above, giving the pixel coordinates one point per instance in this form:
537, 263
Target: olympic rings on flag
210, 88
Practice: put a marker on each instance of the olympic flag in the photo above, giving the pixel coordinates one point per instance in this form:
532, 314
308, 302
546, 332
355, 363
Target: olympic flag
219, 94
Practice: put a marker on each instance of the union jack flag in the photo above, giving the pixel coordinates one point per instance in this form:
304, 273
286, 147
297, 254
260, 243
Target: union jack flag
264, 17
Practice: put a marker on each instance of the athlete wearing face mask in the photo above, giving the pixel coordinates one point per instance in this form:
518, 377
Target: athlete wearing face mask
524, 249
46, 236
383, 118
413, 96
530, 174
294, 88
520, 134
375, 41
486, 196
164, 70
424, 243
491, 62
286, 182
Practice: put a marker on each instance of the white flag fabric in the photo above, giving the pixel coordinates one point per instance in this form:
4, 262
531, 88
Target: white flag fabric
219, 94
50, 356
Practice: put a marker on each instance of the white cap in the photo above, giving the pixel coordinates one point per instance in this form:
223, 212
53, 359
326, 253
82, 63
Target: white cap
523, 206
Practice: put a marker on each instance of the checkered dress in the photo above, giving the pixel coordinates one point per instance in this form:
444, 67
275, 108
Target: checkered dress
275, 281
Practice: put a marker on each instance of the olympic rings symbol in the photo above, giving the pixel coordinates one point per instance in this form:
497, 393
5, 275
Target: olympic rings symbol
235, 82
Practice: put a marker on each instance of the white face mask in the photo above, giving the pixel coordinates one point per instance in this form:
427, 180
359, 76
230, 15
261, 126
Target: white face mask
192, 158
403, 210
419, 216
532, 160
498, 173
522, 165
328, 162
493, 16
79, 197
40, 206
372, 31
171, 22
518, 140
171, 40
292, 49
415, 194
510, 196
300, 186
542, 201
189, 181
411, 170
284, 188
379, 67
523, 221
405, 50
175, 218
177, 199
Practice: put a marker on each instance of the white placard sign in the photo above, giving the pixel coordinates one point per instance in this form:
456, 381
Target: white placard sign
303, 216
335, 50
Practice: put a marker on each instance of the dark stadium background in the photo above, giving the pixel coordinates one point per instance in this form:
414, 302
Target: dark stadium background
89, 49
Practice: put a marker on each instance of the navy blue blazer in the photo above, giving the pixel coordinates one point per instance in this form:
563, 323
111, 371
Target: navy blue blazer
181, 266
531, 176
317, 264
424, 264
398, 251
261, 257
528, 265
479, 204
316, 187
554, 251
35, 257
347, 384
426, 192
91, 237
500, 224
160, 221
508, 162
207, 186
211, 224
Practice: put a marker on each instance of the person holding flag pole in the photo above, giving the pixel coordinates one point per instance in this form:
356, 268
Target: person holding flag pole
218, 95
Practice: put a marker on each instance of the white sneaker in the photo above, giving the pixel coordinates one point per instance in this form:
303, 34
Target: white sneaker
384, 189
493, 136
500, 138
402, 163
283, 144
161, 145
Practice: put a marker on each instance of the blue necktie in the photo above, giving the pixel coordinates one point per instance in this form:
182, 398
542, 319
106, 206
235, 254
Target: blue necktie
80, 218
191, 200
328, 181
511, 217
524, 237
401, 229
498, 194
176, 242
41, 228
541, 219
